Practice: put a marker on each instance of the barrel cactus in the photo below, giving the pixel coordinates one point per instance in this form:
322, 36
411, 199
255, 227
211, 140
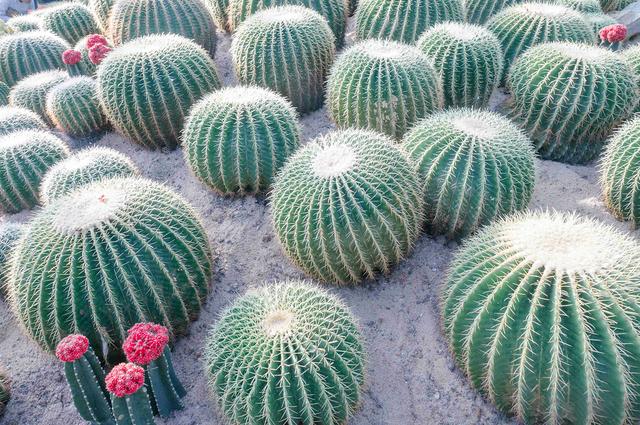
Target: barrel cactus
468, 59
71, 21
31, 92
151, 262
525, 25
218, 10
562, 96
632, 56
136, 18
403, 20
613, 5
584, 6
382, 85
347, 205
599, 21
25, 157
148, 85
303, 349
26, 53
4, 94
5, 392
288, 49
478, 12
16, 119
24, 23
541, 312
474, 165
236, 139
101, 11
83, 168
10, 233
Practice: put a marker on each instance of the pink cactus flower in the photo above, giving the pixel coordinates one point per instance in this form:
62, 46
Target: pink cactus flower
72, 347
96, 39
145, 343
613, 33
125, 379
98, 52
71, 57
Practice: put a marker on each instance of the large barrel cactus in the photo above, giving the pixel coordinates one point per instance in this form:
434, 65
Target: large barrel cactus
236, 139
102, 12
24, 23
403, 20
136, 18
10, 233
303, 349
347, 205
148, 85
31, 92
288, 49
25, 157
26, 53
382, 85
5, 392
71, 21
541, 312
150, 262
570, 96
468, 59
474, 165
16, 119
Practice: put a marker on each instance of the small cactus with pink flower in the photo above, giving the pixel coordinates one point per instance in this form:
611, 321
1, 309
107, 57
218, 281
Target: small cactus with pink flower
72, 60
129, 397
613, 36
86, 55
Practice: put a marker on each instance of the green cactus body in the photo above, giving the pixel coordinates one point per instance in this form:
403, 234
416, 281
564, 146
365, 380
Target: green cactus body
71, 21
102, 11
85, 66
562, 96
83, 168
632, 56
303, 350
236, 139
22, 23
218, 9
73, 107
403, 20
148, 85
16, 119
27, 53
191, 19
525, 25
288, 49
347, 205
25, 157
478, 12
583, 6
134, 409
468, 59
5, 392
541, 312
165, 389
4, 94
382, 85
31, 92
474, 165
152, 263
9, 235
599, 21
614, 5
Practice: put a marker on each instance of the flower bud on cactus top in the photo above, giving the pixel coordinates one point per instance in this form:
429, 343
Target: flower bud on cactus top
72, 347
145, 343
98, 52
71, 57
613, 33
125, 379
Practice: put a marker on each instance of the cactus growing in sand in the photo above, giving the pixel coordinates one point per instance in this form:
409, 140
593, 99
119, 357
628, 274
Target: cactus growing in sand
31, 92
296, 328
22, 23
129, 396
16, 119
71, 21
5, 391
9, 235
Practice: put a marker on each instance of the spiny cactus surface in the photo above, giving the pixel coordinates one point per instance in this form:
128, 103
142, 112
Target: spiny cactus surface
480, 11
599, 21
5, 392
9, 235
219, 12
31, 92
71, 21
614, 5
24, 23
632, 56
15, 119
583, 6
102, 11
4, 94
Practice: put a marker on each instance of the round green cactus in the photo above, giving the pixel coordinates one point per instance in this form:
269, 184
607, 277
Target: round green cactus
31, 92
288, 49
480, 11
191, 19
563, 97
525, 25
218, 10
613, 5
71, 21
4, 94
102, 12
584, 6
150, 262
83, 168
468, 59
148, 85
599, 21
15, 119
403, 20
632, 56
25, 157
10, 233
5, 391
541, 312
347, 205
305, 334
73, 107
26, 53
22, 23
236, 139
382, 85
474, 165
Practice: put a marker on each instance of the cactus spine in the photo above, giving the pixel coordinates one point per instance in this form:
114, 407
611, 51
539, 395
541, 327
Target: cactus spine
613, 5
9, 235
4, 94
102, 11
71, 21
16, 119
31, 92
587, 7
632, 56
478, 12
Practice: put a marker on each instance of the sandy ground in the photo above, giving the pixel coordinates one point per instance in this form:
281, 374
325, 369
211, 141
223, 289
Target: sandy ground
411, 375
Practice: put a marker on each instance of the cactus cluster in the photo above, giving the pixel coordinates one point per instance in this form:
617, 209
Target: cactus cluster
541, 312
31, 92
468, 59
148, 85
9, 235
347, 204
382, 85
5, 391
16, 119
71, 21
288, 49
301, 346
236, 139
474, 165
570, 96
102, 12
22, 23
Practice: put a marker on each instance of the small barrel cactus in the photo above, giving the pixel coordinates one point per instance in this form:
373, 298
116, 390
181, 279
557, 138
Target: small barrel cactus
22, 23
9, 235
474, 165
148, 85
562, 96
31, 92
4, 94
540, 311
83, 168
71, 21
306, 334
27, 53
73, 107
346, 205
478, 12
152, 262
468, 59
614, 5
525, 25
16, 119
288, 49
5, 390
382, 85
403, 20
129, 396
102, 12
136, 18
236, 139
25, 157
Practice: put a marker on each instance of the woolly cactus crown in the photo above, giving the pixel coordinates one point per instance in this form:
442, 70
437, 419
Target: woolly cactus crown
14, 118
